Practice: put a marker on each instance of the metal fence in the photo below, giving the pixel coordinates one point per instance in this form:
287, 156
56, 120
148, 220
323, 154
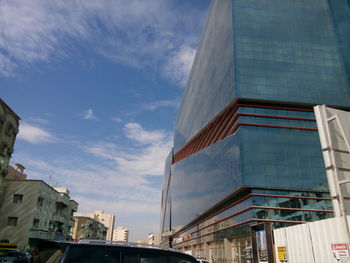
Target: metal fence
322, 241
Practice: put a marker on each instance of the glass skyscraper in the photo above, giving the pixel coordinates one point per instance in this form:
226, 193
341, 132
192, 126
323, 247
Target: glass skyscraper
246, 147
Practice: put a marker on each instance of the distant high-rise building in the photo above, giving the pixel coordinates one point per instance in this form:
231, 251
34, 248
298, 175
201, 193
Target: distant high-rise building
32, 210
100, 216
9, 123
246, 147
121, 234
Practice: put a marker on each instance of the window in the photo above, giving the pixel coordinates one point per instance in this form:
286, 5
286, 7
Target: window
12, 221
36, 222
152, 258
130, 257
9, 129
17, 198
179, 259
100, 255
40, 201
3, 149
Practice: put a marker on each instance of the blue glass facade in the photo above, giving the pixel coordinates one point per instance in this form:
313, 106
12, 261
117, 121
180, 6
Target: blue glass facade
246, 147
283, 48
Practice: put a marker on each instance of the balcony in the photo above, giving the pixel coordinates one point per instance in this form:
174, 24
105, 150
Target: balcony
74, 205
58, 218
62, 201
42, 234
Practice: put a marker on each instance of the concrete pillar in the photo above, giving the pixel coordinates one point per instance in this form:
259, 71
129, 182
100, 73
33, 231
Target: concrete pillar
206, 251
227, 250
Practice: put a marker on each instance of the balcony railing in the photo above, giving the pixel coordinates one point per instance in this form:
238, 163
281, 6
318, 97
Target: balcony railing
58, 218
42, 234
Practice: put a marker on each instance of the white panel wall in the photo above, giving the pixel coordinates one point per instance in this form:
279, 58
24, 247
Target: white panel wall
311, 242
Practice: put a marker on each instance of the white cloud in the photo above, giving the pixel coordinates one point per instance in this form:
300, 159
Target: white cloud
163, 103
7, 66
147, 157
135, 132
89, 115
179, 65
35, 134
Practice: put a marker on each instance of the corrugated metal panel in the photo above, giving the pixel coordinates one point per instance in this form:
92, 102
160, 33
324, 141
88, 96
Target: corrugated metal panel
325, 233
299, 244
311, 242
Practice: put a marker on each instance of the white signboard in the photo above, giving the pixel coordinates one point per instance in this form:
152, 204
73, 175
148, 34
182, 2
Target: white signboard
341, 253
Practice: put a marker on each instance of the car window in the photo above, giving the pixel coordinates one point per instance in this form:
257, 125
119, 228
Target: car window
179, 259
48, 255
130, 257
149, 257
77, 254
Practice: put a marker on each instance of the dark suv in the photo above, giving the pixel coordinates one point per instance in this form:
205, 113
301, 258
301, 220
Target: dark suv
107, 252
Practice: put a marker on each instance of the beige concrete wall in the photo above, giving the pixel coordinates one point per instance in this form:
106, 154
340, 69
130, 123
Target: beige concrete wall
24, 211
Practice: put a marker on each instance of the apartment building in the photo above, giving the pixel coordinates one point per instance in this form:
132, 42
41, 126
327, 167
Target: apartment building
32, 210
88, 228
9, 123
121, 234
100, 216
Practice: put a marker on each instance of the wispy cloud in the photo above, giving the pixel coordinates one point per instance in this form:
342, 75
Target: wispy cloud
179, 65
163, 104
35, 134
89, 115
134, 32
144, 156
135, 132
116, 119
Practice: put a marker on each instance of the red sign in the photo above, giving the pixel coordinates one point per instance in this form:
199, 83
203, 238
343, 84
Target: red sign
339, 246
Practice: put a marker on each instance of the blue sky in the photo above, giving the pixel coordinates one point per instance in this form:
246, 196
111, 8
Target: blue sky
97, 85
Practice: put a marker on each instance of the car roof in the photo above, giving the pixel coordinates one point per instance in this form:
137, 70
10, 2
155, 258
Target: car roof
127, 247
63, 245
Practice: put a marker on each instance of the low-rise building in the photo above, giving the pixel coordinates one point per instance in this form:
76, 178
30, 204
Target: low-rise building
32, 210
121, 234
88, 228
100, 216
9, 123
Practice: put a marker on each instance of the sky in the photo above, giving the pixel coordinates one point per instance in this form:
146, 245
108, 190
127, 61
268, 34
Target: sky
97, 85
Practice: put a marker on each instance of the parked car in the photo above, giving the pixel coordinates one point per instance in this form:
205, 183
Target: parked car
13, 256
97, 251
